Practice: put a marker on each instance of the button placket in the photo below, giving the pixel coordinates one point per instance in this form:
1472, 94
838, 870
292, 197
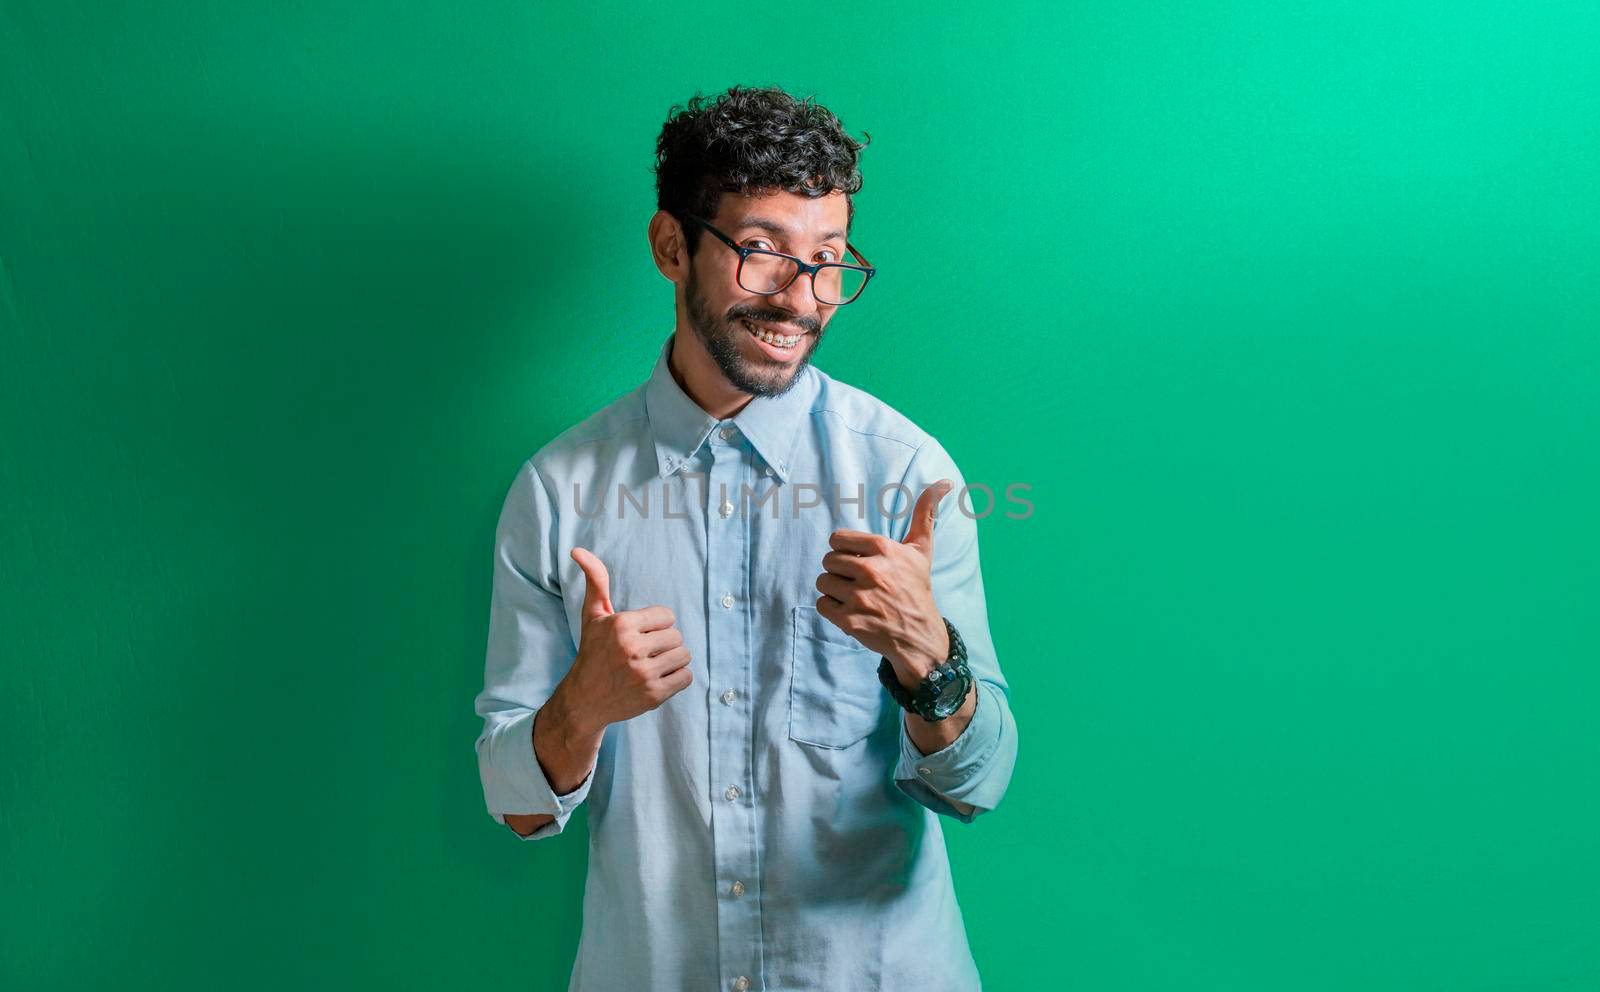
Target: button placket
733, 813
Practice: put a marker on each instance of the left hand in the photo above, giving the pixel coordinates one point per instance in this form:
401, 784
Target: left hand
880, 591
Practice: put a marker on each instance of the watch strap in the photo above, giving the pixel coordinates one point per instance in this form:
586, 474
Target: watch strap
924, 699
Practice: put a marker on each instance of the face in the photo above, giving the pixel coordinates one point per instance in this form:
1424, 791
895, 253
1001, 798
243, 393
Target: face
726, 318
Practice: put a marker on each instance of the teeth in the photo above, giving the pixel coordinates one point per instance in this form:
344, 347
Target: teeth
776, 340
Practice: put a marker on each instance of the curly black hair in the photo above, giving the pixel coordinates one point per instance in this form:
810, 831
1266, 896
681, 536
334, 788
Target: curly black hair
749, 139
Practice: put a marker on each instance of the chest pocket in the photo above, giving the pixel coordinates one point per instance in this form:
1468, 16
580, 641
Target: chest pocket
835, 698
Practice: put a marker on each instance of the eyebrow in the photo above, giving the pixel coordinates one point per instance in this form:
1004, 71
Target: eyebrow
775, 227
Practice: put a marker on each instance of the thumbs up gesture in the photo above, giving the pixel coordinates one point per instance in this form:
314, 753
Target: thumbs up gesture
880, 591
629, 662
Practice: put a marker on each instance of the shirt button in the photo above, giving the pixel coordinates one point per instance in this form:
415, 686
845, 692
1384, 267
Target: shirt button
727, 600
738, 888
727, 433
740, 984
726, 508
732, 793
728, 696
766, 470
924, 770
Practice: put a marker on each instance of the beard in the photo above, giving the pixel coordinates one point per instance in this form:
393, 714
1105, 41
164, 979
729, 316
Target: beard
722, 339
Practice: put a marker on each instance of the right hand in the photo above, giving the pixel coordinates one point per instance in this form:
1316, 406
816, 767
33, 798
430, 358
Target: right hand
628, 663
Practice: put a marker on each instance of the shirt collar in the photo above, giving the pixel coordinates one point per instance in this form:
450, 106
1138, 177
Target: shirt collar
680, 426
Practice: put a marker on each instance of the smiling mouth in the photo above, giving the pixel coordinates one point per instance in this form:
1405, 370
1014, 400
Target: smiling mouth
782, 342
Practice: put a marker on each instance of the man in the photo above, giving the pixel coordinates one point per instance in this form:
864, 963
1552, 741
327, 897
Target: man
715, 619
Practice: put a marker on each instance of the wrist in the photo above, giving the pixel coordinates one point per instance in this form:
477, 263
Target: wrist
910, 670
914, 663
942, 692
566, 754
570, 725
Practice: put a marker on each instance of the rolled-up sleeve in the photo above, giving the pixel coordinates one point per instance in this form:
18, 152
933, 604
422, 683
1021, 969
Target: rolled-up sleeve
976, 767
530, 649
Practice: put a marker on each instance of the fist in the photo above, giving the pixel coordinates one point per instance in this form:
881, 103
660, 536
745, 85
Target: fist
880, 591
629, 662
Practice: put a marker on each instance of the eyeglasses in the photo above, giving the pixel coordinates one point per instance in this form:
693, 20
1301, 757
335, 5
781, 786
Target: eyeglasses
766, 272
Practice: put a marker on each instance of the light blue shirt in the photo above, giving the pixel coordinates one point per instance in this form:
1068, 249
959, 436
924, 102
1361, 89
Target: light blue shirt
772, 826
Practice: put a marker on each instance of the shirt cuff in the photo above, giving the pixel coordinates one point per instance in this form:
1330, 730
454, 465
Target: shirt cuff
954, 770
515, 782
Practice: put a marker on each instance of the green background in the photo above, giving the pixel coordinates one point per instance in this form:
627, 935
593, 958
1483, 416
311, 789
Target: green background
1288, 314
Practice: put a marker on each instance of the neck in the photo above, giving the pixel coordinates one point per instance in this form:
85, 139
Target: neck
696, 373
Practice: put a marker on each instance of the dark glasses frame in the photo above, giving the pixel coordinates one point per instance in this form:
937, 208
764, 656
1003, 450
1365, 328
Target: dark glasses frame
801, 267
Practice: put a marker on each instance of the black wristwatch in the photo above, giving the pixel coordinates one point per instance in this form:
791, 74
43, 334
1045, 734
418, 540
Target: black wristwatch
942, 691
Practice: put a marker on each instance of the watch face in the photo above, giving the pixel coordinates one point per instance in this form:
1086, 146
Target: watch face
950, 697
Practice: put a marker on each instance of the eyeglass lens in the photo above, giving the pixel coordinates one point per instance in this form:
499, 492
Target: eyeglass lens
834, 284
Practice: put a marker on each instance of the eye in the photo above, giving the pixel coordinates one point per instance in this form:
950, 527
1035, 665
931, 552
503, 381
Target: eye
830, 256
758, 243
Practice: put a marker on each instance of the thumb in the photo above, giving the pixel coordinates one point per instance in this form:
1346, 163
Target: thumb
920, 532
597, 592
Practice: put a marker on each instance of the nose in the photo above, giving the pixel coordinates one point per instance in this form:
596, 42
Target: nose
799, 299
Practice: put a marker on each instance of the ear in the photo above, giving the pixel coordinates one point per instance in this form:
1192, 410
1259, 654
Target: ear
668, 247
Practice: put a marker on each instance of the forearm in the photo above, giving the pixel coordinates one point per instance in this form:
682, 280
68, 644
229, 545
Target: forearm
565, 744
930, 737
566, 748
